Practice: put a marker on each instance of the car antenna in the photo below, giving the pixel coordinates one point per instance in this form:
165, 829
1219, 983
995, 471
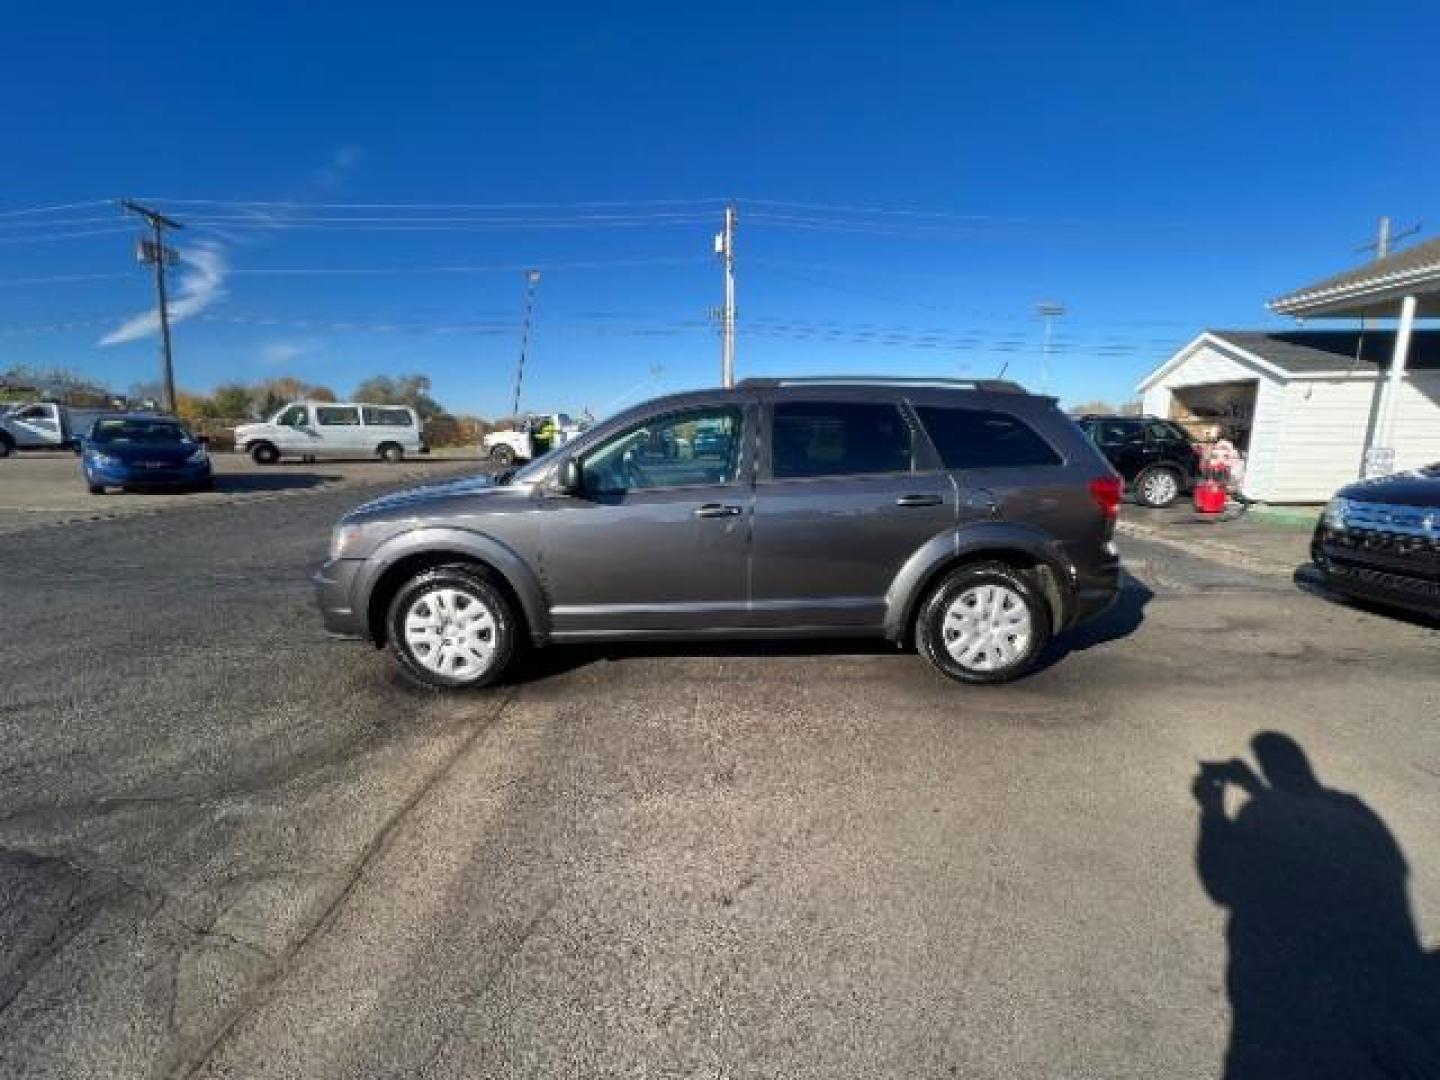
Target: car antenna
1001, 373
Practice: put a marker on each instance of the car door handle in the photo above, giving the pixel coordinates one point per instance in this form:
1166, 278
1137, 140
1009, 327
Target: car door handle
714, 510
918, 500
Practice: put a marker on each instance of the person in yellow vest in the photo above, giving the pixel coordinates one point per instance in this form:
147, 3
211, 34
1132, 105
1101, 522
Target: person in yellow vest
545, 435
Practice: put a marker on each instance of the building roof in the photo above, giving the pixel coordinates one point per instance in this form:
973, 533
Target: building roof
1310, 353
1373, 289
1318, 352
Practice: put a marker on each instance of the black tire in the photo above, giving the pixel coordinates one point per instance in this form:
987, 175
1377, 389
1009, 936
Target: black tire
503, 455
471, 583
1158, 487
6, 446
264, 453
391, 453
95, 489
933, 636
208, 484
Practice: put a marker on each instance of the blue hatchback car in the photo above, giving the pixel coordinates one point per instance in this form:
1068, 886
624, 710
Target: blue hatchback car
144, 451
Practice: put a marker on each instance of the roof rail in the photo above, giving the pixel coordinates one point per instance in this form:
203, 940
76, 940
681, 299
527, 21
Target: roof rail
998, 386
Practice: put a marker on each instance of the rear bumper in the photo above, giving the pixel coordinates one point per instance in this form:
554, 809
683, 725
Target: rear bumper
1095, 587
334, 585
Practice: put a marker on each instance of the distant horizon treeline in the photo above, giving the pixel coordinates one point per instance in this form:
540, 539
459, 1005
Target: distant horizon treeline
238, 401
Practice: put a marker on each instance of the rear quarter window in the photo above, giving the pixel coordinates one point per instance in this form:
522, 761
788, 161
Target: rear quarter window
981, 439
387, 417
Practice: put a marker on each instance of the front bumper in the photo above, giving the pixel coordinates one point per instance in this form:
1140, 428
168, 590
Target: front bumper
1376, 573
334, 585
131, 476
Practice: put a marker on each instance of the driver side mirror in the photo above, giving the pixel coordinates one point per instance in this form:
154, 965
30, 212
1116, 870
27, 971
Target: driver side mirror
569, 480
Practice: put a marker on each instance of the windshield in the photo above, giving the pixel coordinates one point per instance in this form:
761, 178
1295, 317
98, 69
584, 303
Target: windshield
138, 431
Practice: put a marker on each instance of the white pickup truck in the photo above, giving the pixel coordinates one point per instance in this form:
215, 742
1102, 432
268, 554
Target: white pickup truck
537, 434
44, 425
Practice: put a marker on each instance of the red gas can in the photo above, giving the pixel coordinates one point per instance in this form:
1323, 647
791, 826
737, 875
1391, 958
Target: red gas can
1210, 497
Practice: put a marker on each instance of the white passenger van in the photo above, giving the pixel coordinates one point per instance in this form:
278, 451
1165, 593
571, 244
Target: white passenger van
333, 429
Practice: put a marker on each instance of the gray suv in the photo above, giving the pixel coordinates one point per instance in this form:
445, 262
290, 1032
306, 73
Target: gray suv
970, 519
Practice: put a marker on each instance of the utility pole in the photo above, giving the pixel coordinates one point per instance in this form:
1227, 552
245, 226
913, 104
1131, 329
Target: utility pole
1048, 310
532, 279
1385, 239
154, 252
725, 249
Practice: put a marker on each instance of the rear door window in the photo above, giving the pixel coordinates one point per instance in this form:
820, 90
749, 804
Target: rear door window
982, 439
838, 438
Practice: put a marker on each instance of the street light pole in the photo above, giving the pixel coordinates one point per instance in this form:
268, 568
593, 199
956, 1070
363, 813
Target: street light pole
532, 279
1048, 310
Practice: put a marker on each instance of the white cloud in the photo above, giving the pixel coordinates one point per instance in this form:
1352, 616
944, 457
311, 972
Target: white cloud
275, 353
201, 284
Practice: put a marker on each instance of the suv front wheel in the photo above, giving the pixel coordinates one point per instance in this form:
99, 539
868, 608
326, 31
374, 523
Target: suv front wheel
984, 623
450, 628
1157, 488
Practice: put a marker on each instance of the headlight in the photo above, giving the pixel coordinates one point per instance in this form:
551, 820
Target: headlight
1336, 511
345, 541
197, 457
99, 457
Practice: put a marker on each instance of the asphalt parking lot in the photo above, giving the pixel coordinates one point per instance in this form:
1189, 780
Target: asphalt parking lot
230, 847
45, 487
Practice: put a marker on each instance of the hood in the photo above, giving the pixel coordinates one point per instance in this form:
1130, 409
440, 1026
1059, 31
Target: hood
414, 501
169, 453
1418, 488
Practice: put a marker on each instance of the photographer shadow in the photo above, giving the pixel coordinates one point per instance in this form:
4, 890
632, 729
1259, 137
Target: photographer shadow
1326, 975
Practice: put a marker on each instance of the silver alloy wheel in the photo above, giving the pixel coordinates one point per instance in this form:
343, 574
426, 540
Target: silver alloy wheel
1159, 487
451, 633
987, 628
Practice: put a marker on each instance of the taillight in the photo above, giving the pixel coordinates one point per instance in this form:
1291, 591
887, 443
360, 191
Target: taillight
1105, 490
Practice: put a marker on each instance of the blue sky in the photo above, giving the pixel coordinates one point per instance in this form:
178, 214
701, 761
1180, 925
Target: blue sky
1158, 168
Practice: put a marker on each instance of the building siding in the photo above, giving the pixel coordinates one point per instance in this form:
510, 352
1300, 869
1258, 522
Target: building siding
1320, 439
1307, 436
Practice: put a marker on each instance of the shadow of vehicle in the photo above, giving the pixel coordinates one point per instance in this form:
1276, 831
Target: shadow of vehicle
535, 665
1121, 620
1309, 580
239, 483
1326, 975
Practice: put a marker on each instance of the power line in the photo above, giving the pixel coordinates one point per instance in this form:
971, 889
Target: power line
440, 206
891, 212
52, 209
56, 279
46, 238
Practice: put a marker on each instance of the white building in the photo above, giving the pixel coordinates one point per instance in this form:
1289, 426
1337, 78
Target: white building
1305, 406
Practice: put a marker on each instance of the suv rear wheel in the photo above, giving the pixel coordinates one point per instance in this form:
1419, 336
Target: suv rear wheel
391, 453
984, 623
1157, 488
503, 455
450, 627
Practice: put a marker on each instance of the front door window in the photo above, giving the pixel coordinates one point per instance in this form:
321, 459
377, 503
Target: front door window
693, 449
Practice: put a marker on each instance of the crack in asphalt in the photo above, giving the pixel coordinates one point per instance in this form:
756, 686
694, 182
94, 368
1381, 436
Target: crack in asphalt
190, 1062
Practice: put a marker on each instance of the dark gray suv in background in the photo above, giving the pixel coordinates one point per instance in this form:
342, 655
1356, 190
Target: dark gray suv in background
970, 519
